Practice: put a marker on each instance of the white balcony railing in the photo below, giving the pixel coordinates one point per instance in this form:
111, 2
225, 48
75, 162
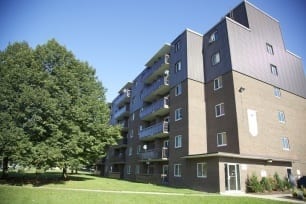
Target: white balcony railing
154, 130
163, 81
160, 104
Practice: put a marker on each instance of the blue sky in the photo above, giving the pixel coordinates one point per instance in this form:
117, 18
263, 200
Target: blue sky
117, 37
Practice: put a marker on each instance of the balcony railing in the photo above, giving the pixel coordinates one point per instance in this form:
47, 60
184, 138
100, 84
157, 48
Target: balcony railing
124, 124
159, 107
157, 69
159, 87
123, 97
154, 131
122, 112
155, 154
119, 158
121, 143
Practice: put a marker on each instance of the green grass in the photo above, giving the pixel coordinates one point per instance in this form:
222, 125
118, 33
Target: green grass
90, 189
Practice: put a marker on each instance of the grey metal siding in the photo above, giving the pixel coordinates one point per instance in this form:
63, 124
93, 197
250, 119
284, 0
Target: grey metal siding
220, 45
180, 55
249, 55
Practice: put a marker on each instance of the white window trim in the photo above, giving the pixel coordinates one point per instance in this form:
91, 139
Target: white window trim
203, 164
176, 138
220, 83
223, 144
179, 110
178, 66
221, 114
281, 116
178, 89
179, 168
285, 148
213, 57
213, 37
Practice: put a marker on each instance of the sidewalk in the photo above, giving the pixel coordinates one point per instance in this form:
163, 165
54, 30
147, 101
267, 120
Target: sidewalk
279, 197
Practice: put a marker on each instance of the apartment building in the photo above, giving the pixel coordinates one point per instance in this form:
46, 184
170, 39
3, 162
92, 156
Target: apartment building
211, 109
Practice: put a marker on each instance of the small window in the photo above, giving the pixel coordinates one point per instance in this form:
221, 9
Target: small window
177, 170
137, 169
138, 149
269, 49
221, 139
177, 46
274, 70
132, 133
201, 170
281, 116
215, 59
178, 114
178, 90
285, 143
218, 83
129, 169
130, 151
178, 141
219, 109
178, 66
277, 92
133, 116
140, 128
213, 37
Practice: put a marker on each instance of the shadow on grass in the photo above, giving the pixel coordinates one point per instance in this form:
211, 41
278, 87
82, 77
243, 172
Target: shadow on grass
40, 179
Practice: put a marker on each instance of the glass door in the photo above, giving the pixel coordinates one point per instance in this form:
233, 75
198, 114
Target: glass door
165, 174
232, 177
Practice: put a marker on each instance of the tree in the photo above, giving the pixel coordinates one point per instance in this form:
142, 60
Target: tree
60, 107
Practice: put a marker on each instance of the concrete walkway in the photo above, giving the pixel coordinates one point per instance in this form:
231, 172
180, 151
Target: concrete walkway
277, 197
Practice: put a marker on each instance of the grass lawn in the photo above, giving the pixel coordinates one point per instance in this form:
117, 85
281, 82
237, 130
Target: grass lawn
89, 189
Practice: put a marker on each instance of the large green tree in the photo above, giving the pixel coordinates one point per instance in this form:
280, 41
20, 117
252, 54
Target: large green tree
60, 112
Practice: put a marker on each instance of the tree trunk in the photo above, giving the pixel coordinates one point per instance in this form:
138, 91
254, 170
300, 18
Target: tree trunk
4, 167
65, 175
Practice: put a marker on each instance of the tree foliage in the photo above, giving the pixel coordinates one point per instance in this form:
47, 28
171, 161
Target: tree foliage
52, 108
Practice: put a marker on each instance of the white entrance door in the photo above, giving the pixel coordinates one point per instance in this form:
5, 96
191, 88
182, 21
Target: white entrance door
232, 177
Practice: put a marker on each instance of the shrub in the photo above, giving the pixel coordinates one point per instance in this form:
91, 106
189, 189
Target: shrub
253, 185
280, 185
266, 184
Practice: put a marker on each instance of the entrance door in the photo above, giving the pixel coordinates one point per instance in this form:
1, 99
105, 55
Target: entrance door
165, 174
232, 177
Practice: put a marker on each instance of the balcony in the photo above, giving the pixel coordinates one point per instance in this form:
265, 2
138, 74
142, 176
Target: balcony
124, 125
118, 158
158, 108
122, 112
155, 154
157, 69
158, 130
121, 143
159, 87
124, 97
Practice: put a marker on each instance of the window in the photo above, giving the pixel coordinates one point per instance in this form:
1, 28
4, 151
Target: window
133, 116
213, 37
177, 46
132, 133
285, 143
137, 169
138, 149
218, 83
219, 109
274, 70
178, 141
201, 170
178, 90
215, 59
177, 170
178, 66
130, 151
221, 139
277, 92
178, 114
129, 169
281, 116
269, 49
140, 128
